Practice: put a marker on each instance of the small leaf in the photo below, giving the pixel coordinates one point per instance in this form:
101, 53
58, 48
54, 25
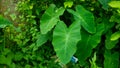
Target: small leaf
109, 44
85, 18
111, 59
115, 4
50, 18
65, 40
13, 16
68, 4
115, 36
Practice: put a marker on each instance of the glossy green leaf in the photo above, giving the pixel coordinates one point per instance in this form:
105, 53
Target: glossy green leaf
104, 3
50, 18
109, 44
115, 4
115, 36
111, 59
85, 18
87, 43
65, 40
4, 22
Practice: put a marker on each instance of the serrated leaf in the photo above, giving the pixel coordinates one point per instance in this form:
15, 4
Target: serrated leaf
111, 59
108, 43
115, 4
87, 43
115, 36
65, 40
104, 3
50, 18
4, 22
85, 18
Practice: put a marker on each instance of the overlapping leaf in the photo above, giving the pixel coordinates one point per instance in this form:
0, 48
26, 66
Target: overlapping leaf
42, 38
104, 3
85, 18
65, 40
87, 43
111, 60
109, 44
50, 18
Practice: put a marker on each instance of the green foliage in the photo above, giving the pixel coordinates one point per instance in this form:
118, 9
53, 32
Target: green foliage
47, 34
115, 4
109, 44
4, 22
115, 36
50, 18
111, 60
93, 62
104, 3
88, 24
68, 4
87, 43
65, 40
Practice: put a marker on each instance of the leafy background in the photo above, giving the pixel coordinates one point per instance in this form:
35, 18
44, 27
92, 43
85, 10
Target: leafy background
49, 34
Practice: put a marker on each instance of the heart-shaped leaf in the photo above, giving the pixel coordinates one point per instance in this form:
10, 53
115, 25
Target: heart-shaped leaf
87, 43
50, 18
85, 18
65, 40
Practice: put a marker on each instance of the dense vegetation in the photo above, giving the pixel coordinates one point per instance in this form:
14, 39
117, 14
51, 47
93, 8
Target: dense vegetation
61, 34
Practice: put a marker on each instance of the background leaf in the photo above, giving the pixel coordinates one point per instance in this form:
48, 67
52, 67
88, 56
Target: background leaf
50, 18
109, 44
111, 60
115, 4
115, 36
42, 38
65, 40
87, 43
104, 3
85, 18
68, 4
4, 22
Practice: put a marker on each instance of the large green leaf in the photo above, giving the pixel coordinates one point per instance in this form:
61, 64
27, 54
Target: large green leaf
85, 18
50, 18
109, 44
87, 43
4, 22
111, 60
65, 40
104, 3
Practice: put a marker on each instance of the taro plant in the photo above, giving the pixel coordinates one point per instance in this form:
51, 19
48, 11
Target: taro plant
83, 32
66, 38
